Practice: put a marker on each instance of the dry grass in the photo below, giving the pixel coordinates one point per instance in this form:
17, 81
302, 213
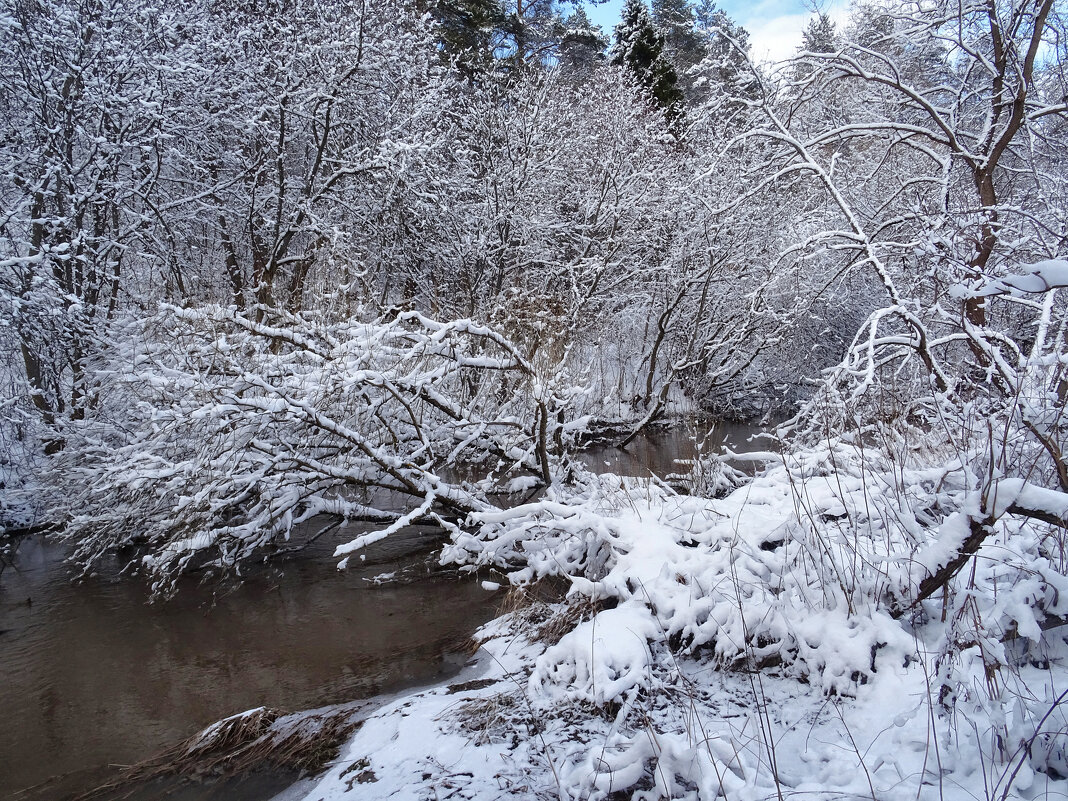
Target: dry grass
490, 719
545, 609
566, 617
303, 742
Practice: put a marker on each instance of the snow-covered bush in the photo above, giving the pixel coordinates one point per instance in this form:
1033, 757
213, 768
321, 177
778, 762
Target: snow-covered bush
222, 433
818, 570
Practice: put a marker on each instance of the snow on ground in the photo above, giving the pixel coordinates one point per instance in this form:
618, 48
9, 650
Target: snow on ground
758, 646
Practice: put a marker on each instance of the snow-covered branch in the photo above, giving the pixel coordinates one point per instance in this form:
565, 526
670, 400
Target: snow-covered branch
237, 430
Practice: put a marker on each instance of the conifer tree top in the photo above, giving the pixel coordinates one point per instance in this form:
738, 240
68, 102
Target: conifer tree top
639, 47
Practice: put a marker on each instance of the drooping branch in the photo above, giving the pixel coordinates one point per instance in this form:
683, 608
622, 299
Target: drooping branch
1011, 496
253, 426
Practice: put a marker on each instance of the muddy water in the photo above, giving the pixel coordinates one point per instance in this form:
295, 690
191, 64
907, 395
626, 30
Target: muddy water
92, 675
664, 451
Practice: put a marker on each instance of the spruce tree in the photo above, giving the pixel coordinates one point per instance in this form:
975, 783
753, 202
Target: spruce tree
581, 48
726, 70
675, 19
639, 47
819, 35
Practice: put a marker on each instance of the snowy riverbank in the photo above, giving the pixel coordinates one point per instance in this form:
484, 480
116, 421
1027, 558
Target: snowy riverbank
758, 646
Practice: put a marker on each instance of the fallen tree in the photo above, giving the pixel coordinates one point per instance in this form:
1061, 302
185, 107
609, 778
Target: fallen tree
227, 430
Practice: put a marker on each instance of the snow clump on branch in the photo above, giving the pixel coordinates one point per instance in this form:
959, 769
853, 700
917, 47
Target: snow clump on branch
230, 430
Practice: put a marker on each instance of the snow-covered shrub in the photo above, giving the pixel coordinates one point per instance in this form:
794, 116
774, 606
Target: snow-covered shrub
814, 571
820, 567
225, 431
741, 579
710, 476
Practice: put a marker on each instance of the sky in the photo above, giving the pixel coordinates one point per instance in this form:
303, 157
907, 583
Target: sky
774, 25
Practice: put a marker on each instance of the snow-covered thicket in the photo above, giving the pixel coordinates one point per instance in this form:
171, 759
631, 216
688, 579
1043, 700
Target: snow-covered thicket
918, 149
221, 432
320, 165
903, 557
821, 565
193, 155
323, 158
307, 266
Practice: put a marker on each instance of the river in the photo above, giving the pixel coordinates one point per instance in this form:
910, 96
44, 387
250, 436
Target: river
93, 675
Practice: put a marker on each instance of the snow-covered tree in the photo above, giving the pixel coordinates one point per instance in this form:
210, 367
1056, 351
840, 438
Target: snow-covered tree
684, 46
298, 138
639, 47
466, 31
725, 73
582, 48
224, 431
933, 190
84, 131
820, 35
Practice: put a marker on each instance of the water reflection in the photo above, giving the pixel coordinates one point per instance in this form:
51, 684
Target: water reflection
664, 451
91, 674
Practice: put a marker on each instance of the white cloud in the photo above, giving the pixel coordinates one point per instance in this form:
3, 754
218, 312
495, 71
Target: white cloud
777, 36
774, 25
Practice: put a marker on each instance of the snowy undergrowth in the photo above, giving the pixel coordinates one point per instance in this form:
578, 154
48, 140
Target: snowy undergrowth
704, 733
766, 643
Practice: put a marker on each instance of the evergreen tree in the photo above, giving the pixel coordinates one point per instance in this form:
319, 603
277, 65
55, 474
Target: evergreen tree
582, 47
639, 47
682, 43
819, 35
485, 35
467, 32
532, 32
725, 70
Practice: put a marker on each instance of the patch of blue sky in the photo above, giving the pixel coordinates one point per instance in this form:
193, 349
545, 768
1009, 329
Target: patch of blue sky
774, 25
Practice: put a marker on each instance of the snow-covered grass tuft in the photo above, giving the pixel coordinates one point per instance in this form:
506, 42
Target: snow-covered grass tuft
741, 580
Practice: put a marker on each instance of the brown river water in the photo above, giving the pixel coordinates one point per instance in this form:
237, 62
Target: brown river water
94, 676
